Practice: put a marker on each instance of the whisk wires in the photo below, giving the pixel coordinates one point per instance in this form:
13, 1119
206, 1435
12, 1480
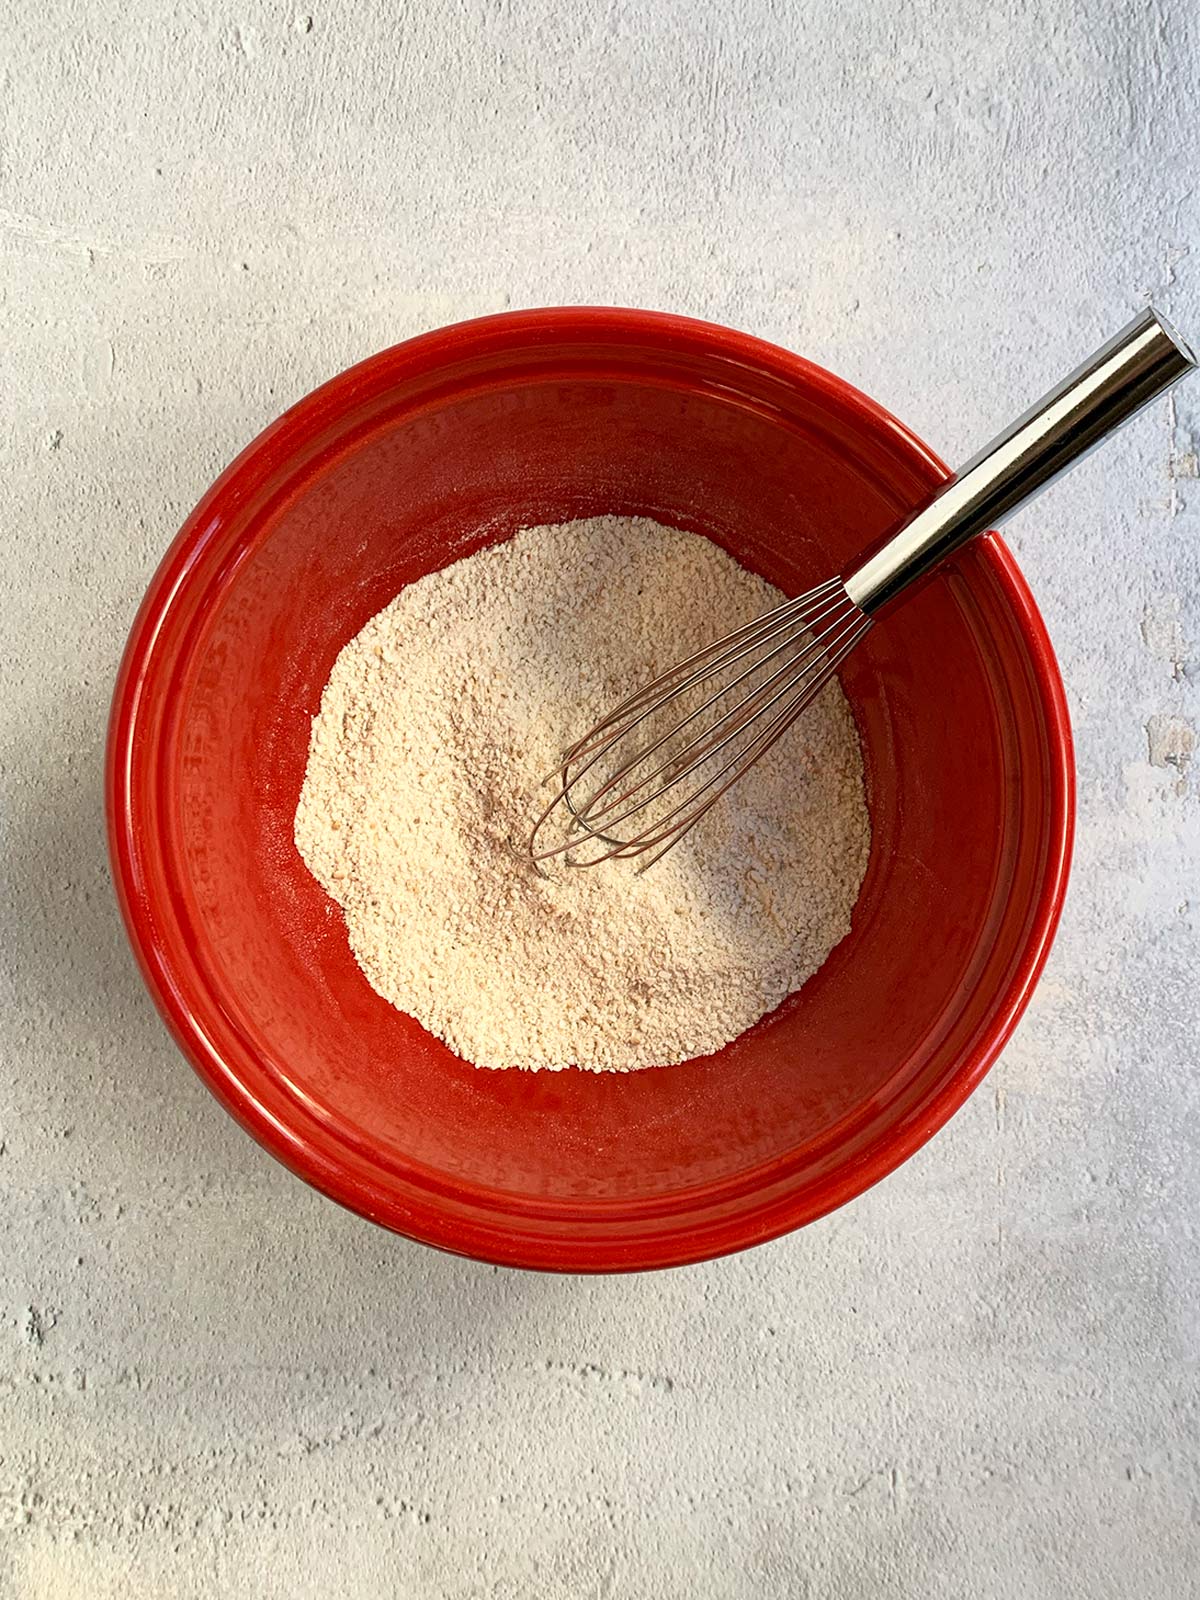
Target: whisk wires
646, 773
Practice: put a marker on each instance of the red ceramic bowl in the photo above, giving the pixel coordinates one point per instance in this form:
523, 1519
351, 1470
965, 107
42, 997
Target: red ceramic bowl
420, 456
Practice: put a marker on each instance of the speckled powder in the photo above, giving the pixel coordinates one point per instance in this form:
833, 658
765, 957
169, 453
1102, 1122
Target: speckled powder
436, 724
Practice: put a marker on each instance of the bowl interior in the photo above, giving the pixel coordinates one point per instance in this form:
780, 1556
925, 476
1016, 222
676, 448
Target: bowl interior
404, 468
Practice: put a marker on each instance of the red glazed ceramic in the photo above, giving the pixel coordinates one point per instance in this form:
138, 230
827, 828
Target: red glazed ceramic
422, 455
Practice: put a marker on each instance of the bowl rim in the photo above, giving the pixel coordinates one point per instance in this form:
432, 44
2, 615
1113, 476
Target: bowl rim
428, 1219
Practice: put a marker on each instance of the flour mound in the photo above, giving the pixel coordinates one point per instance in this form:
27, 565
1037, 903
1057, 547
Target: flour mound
436, 726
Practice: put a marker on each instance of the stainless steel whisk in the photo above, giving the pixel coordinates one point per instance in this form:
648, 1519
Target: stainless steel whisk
646, 773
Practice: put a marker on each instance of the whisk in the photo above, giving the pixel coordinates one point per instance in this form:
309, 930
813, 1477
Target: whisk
646, 773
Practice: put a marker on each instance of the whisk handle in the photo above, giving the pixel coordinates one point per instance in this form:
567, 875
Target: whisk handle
1124, 375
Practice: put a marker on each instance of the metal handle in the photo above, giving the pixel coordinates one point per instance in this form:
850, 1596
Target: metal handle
1124, 375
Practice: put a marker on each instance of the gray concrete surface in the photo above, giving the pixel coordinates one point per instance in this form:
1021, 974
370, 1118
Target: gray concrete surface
981, 1378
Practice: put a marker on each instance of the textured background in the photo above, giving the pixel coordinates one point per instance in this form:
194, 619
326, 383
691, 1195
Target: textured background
980, 1378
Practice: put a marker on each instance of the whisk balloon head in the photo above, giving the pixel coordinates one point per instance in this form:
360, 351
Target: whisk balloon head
647, 772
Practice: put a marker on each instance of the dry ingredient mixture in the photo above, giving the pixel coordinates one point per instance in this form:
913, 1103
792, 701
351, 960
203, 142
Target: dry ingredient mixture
438, 722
